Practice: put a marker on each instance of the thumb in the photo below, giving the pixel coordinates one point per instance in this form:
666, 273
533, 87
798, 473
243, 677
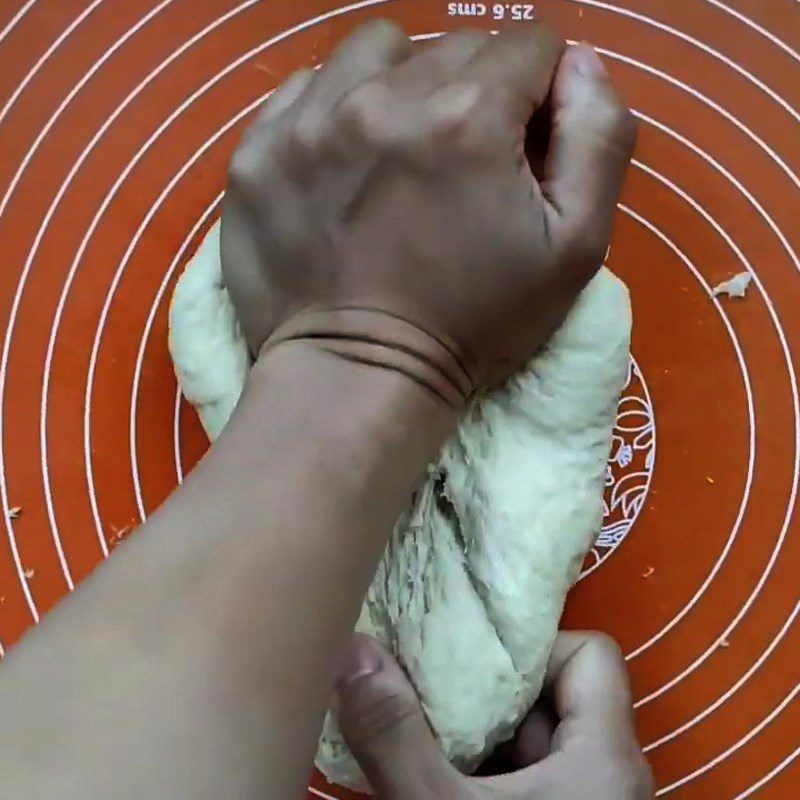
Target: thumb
591, 144
385, 727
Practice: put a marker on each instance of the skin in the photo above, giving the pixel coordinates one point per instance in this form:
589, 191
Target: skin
577, 743
390, 253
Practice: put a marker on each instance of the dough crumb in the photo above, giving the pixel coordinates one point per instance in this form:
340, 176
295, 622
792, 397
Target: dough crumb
29, 573
14, 512
735, 287
709, 479
118, 534
648, 572
724, 643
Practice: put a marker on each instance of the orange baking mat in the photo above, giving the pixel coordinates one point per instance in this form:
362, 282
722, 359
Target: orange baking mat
116, 123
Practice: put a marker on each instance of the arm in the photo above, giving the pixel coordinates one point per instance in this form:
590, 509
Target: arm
389, 252
198, 662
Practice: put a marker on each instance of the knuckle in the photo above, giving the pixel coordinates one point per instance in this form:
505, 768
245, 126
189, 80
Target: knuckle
618, 125
304, 135
380, 715
355, 113
626, 130
585, 252
606, 646
241, 167
383, 31
390, 38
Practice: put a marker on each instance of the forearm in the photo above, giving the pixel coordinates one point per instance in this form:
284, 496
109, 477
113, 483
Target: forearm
198, 662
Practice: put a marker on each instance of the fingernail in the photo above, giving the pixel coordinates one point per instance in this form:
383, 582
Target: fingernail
360, 660
587, 62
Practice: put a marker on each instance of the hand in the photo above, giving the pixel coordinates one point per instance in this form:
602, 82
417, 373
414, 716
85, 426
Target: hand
383, 208
578, 742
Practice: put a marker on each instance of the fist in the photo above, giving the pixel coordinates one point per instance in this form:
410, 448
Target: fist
384, 209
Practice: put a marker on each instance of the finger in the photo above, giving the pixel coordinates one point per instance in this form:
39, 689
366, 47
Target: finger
589, 684
406, 128
366, 53
533, 740
518, 67
250, 151
530, 745
591, 145
587, 681
385, 727
285, 96
414, 105
435, 63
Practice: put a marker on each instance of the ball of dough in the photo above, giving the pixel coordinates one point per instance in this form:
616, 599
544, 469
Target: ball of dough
472, 584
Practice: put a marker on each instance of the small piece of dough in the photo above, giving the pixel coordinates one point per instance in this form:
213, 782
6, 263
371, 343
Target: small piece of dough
472, 584
735, 286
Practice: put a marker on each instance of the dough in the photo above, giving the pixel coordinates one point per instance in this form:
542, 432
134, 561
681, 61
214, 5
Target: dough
471, 586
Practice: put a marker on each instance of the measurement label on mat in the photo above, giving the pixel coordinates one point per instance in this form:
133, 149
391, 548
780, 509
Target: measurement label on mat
516, 12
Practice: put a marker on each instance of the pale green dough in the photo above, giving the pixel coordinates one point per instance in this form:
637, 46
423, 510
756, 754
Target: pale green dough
471, 586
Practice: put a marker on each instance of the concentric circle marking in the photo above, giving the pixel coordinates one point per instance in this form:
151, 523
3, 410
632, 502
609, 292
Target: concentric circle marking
707, 288
675, 705
695, 43
15, 19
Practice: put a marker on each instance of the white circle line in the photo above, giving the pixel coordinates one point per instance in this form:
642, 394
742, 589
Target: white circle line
54, 117
752, 733
65, 34
59, 309
322, 795
137, 374
675, 249
699, 209
89, 388
735, 121
169, 188
731, 690
664, 28
176, 436
710, 160
12, 23
778, 42
342, 10
71, 275
793, 256
792, 378
731, 178
751, 437
120, 180
3, 373
770, 775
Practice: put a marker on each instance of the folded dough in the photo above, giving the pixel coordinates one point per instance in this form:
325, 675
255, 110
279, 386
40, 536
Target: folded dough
471, 586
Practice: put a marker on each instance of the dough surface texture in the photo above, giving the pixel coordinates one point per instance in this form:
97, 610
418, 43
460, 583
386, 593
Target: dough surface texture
470, 589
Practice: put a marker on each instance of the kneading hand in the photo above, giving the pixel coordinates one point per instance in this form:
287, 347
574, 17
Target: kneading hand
383, 208
578, 742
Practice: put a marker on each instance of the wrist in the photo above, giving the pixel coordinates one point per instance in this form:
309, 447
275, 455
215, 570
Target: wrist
325, 398
379, 340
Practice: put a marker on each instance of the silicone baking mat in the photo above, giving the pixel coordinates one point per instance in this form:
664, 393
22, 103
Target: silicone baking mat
116, 123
